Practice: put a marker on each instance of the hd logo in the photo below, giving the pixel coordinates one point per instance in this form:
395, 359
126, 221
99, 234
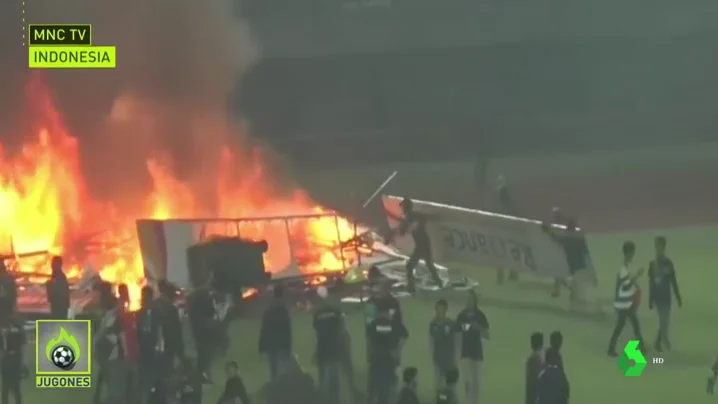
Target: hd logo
63, 350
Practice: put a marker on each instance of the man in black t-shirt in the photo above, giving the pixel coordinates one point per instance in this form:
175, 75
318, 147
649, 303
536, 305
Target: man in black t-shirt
330, 333
58, 290
575, 247
204, 325
408, 395
415, 223
147, 344
553, 386
170, 332
234, 389
662, 289
275, 334
384, 300
474, 327
385, 338
442, 331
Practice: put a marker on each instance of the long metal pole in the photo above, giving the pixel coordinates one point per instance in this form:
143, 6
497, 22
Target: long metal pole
381, 188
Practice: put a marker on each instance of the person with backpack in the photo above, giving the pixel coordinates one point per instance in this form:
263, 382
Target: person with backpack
553, 386
626, 300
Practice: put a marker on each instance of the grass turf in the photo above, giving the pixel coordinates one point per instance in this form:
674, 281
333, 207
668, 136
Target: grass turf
517, 310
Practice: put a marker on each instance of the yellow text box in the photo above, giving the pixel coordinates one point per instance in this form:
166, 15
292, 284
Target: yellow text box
72, 57
63, 382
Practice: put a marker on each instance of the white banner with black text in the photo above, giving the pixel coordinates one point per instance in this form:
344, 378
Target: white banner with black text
486, 240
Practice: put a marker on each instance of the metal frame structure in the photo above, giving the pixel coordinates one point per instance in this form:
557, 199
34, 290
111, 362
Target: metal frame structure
233, 227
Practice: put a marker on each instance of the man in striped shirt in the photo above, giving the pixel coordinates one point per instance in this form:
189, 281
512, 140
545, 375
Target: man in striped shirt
625, 301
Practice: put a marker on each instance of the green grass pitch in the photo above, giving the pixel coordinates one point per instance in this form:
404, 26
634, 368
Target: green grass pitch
517, 310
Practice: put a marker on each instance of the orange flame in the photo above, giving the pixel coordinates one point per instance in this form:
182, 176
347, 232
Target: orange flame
45, 209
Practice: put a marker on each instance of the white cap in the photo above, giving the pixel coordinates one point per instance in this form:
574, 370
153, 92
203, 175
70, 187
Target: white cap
322, 292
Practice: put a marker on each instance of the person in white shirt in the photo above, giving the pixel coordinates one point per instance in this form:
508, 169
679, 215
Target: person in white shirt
626, 299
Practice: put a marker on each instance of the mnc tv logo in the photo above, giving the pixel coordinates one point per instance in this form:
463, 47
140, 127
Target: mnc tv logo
63, 353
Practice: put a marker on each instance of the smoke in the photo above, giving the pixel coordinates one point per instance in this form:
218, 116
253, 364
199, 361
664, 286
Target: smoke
178, 63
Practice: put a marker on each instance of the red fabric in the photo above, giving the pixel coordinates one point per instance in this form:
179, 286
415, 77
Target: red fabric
130, 328
637, 298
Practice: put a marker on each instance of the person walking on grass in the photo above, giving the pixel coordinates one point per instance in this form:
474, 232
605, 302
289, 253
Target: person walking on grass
330, 332
111, 347
275, 335
385, 340
662, 287
234, 390
442, 337
534, 365
553, 385
626, 301
408, 394
474, 329
555, 342
573, 242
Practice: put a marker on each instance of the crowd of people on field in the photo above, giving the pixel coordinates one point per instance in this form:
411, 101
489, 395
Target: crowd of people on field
141, 354
456, 348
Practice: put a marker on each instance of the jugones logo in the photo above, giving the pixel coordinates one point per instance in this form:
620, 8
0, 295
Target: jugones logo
63, 351
63, 354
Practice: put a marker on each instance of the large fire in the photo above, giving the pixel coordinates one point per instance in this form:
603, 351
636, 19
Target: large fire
45, 209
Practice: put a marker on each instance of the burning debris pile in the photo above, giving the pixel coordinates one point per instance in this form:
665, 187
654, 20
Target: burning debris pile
47, 209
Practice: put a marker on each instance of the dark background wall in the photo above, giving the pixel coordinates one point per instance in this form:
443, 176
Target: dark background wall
571, 90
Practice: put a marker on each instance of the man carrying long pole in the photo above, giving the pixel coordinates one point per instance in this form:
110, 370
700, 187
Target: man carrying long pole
415, 223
